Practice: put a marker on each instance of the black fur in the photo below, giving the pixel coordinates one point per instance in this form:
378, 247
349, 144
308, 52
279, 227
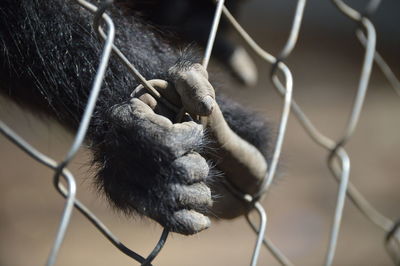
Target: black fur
190, 20
48, 59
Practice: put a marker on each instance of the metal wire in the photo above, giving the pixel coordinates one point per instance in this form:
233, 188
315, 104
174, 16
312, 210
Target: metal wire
70, 192
60, 168
157, 249
383, 66
335, 147
83, 126
392, 242
288, 48
287, 92
275, 251
261, 232
338, 160
213, 33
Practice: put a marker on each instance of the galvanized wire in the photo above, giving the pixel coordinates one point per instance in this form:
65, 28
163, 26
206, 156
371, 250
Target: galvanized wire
338, 160
287, 92
261, 232
60, 168
70, 193
343, 170
213, 33
392, 242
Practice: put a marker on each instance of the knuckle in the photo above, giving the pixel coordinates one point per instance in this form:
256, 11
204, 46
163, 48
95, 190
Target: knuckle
200, 68
183, 139
196, 196
193, 167
188, 129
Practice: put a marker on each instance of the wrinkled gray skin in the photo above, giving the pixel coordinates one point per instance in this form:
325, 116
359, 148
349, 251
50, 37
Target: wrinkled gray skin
243, 165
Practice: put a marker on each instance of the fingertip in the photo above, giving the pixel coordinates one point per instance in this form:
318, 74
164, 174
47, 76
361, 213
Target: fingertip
207, 105
190, 222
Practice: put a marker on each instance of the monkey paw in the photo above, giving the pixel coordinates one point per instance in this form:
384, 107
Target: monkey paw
152, 166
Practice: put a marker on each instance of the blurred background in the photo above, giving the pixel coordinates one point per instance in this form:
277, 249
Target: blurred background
326, 66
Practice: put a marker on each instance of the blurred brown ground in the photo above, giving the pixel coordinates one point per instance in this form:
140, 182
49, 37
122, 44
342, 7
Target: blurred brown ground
326, 66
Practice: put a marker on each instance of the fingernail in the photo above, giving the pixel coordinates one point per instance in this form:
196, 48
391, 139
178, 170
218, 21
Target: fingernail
207, 105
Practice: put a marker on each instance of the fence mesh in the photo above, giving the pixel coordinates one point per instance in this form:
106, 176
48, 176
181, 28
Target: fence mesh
338, 160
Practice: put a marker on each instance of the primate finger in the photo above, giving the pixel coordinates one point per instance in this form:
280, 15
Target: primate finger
142, 110
157, 107
196, 196
179, 138
192, 168
185, 137
197, 94
189, 222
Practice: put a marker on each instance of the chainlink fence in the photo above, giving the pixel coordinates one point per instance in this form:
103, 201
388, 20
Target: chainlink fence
338, 160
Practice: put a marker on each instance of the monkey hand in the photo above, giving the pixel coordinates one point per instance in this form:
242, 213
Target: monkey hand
152, 166
243, 165
157, 168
